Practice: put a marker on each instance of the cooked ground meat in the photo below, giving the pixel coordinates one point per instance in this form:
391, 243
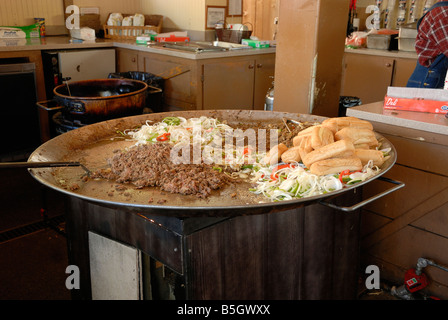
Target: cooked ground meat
150, 166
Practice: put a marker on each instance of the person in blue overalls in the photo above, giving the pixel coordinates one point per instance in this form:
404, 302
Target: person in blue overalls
431, 46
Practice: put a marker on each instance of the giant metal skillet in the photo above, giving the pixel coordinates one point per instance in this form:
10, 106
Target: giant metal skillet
92, 145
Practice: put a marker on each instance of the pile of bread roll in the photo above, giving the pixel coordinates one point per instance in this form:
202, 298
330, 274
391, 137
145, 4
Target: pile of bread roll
335, 145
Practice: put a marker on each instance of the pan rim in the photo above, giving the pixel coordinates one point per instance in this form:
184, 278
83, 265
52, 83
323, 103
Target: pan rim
62, 96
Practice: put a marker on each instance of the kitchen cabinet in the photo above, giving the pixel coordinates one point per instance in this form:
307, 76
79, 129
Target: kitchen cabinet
126, 60
181, 78
80, 65
410, 223
234, 82
403, 69
369, 76
264, 76
237, 83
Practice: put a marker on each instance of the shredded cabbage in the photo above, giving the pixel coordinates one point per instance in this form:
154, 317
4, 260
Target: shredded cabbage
297, 182
181, 130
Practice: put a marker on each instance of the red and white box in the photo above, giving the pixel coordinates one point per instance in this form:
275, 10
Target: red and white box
176, 36
416, 99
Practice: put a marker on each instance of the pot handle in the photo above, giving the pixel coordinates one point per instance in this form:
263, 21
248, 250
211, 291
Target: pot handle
398, 185
76, 107
44, 105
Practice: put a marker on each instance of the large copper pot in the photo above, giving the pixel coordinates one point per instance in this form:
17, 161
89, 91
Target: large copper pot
90, 101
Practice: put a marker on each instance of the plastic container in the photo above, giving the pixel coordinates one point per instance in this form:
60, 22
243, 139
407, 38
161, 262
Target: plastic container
378, 41
406, 44
256, 43
408, 30
31, 31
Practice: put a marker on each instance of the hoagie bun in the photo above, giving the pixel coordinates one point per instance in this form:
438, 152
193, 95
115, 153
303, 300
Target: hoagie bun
366, 155
335, 145
274, 155
302, 135
343, 122
339, 148
321, 136
336, 165
291, 155
357, 136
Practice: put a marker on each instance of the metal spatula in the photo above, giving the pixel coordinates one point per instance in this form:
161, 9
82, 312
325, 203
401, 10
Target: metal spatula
48, 164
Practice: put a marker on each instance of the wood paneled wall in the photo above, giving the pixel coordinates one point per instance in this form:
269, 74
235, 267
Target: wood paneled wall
23, 12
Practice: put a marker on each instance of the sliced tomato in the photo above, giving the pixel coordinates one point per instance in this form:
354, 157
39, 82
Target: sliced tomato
274, 175
163, 137
346, 173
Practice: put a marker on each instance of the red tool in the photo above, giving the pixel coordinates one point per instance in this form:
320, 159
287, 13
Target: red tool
415, 280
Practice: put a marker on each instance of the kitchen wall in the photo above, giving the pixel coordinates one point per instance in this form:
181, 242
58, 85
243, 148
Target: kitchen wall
178, 14
23, 12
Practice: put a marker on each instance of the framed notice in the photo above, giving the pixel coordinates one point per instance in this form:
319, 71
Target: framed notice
235, 7
213, 15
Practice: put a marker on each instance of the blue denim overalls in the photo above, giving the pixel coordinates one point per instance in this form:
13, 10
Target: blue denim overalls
434, 75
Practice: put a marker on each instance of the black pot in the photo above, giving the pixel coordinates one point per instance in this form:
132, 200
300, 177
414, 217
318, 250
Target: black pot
90, 101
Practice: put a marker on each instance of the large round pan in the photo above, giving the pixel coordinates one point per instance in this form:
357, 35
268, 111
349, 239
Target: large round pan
92, 145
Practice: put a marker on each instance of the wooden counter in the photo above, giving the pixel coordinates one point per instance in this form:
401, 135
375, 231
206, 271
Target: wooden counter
412, 222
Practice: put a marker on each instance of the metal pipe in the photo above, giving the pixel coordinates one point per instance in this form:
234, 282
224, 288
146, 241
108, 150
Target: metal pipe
423, 263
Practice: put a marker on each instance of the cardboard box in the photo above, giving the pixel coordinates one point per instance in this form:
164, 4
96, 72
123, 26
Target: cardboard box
14, 32
256, 43
176, 36
142, 40
416, 99
91, 21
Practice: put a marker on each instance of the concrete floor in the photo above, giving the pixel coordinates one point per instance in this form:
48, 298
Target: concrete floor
33, 255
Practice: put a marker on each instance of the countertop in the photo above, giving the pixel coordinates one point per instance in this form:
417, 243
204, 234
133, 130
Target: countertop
64, 43
384, 53
429, 122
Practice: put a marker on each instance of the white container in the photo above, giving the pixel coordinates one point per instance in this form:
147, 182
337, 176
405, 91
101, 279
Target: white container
378, 41
408, 30
406, 44
407, 33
